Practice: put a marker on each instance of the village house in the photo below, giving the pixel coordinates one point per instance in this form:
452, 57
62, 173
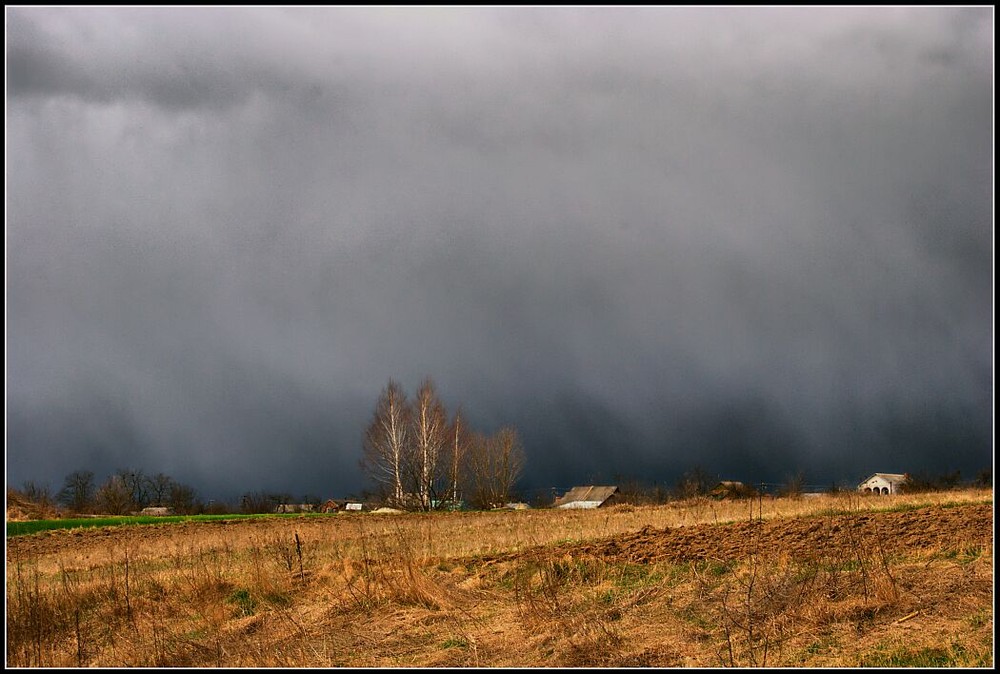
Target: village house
156, 511
882, 483
731, 489
294, 508
587, 497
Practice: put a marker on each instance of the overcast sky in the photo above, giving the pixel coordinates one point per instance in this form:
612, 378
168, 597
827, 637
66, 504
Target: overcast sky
753, 240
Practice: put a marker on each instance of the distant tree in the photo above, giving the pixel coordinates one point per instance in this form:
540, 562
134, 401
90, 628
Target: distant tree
78, 491
276, 499
924, 481
918, 482
214, 507
794, 485
429, 433
264, 501
136, 484
37, 493
494, 466
387, 446
459, 440
182, 499
694, 482
660, 494
838, 488
114, 497
984, 479
634, 492
255, 502
948, 481
158, 488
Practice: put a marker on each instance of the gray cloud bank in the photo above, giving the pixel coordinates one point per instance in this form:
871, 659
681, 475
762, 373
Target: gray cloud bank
754, 240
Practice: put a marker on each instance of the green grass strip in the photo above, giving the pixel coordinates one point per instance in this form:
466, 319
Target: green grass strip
37, 526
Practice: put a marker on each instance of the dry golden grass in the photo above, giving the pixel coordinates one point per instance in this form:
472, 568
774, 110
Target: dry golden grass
520, 588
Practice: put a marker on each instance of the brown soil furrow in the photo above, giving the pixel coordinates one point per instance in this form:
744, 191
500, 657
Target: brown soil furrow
929, 528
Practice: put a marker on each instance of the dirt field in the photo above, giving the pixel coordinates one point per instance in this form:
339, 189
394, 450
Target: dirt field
800, 539
820, 587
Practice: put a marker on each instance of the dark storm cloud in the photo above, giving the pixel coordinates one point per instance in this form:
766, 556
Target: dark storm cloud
758, 240
174, 59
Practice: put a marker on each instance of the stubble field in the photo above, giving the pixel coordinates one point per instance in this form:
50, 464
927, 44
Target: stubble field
831, 581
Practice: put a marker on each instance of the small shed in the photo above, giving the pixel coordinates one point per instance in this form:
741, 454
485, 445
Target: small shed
882, 483
293, 508
587, 497
329, 506
158, 511
730, 489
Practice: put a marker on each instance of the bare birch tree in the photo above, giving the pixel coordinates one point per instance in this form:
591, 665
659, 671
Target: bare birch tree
387, 443
459, 440
419, 459
430, 436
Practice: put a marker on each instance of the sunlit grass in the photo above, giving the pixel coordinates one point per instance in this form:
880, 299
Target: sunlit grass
35, 526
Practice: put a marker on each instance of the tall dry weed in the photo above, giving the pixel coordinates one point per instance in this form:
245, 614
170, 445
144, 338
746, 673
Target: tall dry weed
390, 569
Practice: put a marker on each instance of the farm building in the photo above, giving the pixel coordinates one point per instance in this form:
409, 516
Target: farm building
587, 497
882, 483
157, 511
329, 506
447, 504
731, 489
512, 506
294, 508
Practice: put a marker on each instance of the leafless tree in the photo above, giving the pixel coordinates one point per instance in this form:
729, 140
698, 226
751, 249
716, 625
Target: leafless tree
78, 491
387, 446
137, 485
419, 459
694, 482
494, 466
158, 488
182, 498
794, 485
114, 497
459, 440
429, 424
37, 493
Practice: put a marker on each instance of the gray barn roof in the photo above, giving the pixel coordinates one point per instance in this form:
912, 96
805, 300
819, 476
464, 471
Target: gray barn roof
585, 494
891, 477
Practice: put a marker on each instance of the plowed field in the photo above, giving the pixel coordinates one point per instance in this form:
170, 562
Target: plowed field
799, 538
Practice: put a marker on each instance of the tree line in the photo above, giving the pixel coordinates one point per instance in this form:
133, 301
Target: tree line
128, 491
123, 492
419, 458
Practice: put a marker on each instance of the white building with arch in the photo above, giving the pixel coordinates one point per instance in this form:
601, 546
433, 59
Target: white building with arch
882, 483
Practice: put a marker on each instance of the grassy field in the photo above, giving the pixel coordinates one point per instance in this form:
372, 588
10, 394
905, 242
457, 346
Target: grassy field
832, 581
36, 526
